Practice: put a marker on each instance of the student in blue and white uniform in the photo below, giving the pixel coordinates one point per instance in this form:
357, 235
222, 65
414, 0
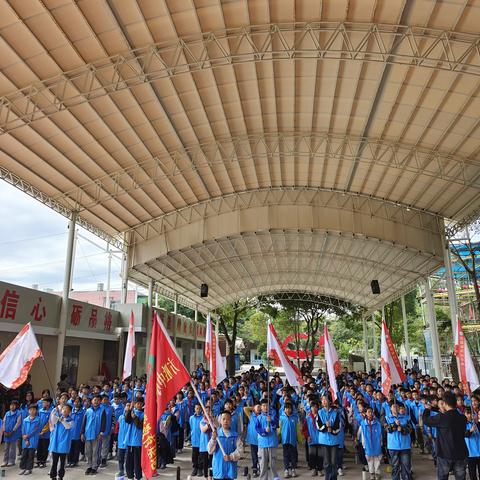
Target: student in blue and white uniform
61, 424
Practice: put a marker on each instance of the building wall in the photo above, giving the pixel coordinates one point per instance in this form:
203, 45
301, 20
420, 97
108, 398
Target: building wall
90, 358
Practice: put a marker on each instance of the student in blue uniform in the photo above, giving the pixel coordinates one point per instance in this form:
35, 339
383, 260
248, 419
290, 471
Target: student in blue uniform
315, 457
328, 424
44, 415
194, 424
371, 437
288, 431
77, 414
30, 432
12, 425
472, 439
93, 427
224, 463
134, 418
109, 427
205, 435
123, 429
267, 440
252, 438
398, 427
61, 424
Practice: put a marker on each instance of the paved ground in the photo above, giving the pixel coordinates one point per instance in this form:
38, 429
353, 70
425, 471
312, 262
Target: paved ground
422, 467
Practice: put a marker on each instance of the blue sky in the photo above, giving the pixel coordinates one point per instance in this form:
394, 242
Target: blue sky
33, 244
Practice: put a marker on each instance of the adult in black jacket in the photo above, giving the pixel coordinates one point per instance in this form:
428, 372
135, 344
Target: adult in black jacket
451, 448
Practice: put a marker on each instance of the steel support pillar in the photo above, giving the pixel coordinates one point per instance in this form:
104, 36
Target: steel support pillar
125, 266
365, 344
432, 323
175, 307
109, 274
452, 296
375, 347
149, 325
406, 341
195, 337
67, 285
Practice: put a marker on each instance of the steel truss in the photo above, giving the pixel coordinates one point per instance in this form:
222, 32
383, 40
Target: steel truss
312, 146
55, 205
398, 44
300, 296
374, 207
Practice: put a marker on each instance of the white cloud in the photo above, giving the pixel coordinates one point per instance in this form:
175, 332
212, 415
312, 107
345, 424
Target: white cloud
33, 243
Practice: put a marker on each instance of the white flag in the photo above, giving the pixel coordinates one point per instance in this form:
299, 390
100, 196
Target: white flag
467, 373
392, 373
130, 349
17, 359
333, 364
215, 362
275, 349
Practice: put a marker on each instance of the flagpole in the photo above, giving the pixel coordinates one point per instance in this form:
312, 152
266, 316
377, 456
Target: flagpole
48, 377
210, 422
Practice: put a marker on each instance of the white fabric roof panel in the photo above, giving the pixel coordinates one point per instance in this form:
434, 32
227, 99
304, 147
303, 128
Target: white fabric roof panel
129, 111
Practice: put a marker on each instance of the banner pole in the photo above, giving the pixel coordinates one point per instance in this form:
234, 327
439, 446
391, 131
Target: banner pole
48, 377
210, 422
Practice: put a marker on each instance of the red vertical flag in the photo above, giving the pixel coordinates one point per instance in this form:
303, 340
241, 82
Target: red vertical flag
166, 375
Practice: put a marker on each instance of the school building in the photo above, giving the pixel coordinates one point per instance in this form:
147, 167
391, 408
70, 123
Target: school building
95, 336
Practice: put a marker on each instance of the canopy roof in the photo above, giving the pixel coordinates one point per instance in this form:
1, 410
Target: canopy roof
256, 146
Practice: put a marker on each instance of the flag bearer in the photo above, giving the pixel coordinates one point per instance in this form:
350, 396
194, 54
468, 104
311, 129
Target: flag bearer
224, 465
134, 418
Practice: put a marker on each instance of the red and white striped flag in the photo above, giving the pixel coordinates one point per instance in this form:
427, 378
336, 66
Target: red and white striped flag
275, 349
208, 338
334, 366
215, 361
130, 349
392, 373
468, 375
17, 359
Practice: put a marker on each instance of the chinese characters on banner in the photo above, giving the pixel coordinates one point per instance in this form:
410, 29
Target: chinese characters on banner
21, 305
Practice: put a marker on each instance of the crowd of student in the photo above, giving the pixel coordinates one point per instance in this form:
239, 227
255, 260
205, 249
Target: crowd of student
256, 411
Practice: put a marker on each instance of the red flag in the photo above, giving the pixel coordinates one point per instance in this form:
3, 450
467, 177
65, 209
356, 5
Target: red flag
468, 375
166, 376
392, 373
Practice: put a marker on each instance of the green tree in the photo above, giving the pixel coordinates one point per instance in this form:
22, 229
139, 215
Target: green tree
231, 316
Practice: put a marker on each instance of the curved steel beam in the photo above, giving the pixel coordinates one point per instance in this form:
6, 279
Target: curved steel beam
232, 151
398, 44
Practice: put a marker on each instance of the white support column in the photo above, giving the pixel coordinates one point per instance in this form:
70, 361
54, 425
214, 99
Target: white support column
365, 344
67, 285
432, 323
149, 325
375, 347
452, 296
125, 266
175, 306
109, 274
195, 337
405, 331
